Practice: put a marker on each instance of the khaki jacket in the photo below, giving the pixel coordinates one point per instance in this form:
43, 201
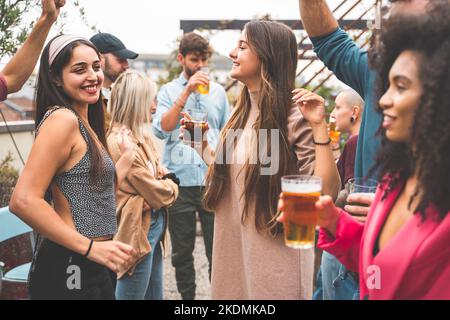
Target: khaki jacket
141, 184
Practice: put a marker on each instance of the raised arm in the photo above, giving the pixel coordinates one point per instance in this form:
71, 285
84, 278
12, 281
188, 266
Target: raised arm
171, 118
334, 47
21, 65
317, 18
312, 107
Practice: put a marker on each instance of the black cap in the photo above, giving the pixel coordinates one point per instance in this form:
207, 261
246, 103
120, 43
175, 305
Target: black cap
107, 43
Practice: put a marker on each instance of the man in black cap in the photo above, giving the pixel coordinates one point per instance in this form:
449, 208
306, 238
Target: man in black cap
114, 61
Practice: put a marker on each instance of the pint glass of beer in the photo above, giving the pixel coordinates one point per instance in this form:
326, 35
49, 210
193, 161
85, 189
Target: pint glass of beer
300, 193
332, 132
195, 126
201, 88
361, 186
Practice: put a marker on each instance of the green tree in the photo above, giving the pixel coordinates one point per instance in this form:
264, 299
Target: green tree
173, 68
8, 179
14, 27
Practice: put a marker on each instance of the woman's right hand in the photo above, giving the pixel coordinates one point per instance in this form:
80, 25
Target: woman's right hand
328, 213
185, 117
112, 254
311, 105
199, 78
126, 147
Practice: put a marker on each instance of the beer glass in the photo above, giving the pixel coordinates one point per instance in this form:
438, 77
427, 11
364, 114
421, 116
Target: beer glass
300, 194
201, 88
195, 125
332, 132
361, 186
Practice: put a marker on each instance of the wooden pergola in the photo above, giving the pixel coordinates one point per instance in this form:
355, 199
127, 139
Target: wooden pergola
359, 26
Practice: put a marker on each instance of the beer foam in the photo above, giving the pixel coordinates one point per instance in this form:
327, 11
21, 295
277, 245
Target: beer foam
301, 187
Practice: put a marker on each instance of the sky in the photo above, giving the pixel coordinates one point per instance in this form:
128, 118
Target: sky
152, 26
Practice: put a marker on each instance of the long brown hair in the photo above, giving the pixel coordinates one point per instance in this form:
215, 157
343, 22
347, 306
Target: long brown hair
276, 47
49, 95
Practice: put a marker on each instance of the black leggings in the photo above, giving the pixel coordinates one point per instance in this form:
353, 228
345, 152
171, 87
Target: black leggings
58, 273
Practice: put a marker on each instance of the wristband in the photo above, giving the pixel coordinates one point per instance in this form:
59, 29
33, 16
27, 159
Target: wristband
89, 249
322, 143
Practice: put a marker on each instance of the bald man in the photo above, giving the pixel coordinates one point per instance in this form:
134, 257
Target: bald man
347, 112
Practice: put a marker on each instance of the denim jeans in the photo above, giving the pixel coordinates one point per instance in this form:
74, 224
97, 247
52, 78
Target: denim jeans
337, 282
146, 283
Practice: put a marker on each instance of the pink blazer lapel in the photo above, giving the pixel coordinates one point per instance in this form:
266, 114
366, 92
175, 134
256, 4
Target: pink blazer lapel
374, 224
397, 256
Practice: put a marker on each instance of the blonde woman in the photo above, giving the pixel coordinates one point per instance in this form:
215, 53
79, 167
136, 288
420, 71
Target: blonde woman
147, 182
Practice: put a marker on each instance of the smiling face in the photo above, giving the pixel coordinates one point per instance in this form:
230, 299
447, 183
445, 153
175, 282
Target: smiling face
402, 99
246, 64
82, 77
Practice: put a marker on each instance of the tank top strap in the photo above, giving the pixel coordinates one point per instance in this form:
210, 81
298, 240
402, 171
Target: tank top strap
83, 129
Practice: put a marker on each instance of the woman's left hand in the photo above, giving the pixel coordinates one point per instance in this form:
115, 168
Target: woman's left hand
126, 147
311, 105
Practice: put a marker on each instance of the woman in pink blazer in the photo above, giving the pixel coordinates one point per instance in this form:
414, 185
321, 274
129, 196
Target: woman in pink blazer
403, 251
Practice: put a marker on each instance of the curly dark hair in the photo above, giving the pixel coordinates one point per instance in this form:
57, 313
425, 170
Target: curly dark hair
430, 157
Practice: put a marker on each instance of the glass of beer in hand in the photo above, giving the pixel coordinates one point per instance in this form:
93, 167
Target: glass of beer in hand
361, 186
195, 126
332, 132
300, 194
203, 89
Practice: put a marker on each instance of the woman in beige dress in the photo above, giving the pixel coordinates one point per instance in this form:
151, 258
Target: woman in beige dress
265, 139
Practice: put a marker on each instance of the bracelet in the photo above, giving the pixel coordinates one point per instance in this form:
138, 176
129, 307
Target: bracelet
322, 143
89, 249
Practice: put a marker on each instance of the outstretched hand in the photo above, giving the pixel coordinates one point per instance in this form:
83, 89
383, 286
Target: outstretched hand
51, 8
